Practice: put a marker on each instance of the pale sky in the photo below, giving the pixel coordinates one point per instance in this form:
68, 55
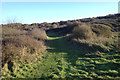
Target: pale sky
38, 12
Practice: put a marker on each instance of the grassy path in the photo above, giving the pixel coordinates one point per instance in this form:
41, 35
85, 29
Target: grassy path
64, 60
76, 62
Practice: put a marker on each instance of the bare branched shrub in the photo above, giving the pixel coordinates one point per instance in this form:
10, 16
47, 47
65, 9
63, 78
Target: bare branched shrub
14, 23
83, 31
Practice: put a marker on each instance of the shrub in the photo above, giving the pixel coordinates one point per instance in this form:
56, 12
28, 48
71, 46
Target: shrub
8, 32
37, 33
17, 45
94, 36
15, 25
27, 27
102, 30
54, 26
82, 31
21, 46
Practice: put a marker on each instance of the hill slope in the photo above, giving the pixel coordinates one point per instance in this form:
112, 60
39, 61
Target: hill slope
67, 56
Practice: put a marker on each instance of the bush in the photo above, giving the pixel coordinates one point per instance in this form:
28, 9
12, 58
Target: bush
102, 30
37, 33
54, 26
15, 25
17, 45
82, 31
96, 35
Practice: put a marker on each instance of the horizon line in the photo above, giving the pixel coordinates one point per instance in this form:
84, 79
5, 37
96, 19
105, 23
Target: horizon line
61, 20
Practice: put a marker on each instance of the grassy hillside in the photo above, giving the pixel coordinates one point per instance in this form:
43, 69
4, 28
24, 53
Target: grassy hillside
67, 61
85, 49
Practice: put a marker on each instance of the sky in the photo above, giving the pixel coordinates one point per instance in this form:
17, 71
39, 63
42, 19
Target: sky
38, 12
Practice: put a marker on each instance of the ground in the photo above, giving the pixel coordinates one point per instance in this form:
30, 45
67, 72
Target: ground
64, 60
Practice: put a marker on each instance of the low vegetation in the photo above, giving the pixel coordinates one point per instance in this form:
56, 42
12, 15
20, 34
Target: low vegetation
95, 34
82, 31
77, 49
21, 46
102, 30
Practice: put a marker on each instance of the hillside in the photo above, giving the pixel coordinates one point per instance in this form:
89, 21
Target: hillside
82, 49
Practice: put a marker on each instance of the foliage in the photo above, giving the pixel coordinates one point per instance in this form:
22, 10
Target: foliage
17, 45
91, 54
82, 31
102, 30
66, 61
37, 33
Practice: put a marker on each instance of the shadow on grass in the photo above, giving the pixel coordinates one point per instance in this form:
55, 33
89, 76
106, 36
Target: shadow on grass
68, 50
57, 32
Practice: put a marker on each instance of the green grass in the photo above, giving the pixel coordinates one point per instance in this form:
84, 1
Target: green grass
64, 60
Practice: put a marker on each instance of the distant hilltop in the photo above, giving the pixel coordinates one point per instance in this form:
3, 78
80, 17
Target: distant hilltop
110, 20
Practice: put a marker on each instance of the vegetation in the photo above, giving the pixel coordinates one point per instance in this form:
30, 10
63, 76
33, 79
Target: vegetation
77, 49
18, 46
102, 30
82, 31
95, 35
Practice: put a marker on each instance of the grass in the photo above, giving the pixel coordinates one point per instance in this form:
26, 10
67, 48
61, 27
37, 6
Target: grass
64, 60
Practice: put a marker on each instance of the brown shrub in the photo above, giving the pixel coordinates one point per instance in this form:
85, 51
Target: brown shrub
7, 31
74, 24
15, 25
37, 33
102, 30
13, 47
82, 31
16, 45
